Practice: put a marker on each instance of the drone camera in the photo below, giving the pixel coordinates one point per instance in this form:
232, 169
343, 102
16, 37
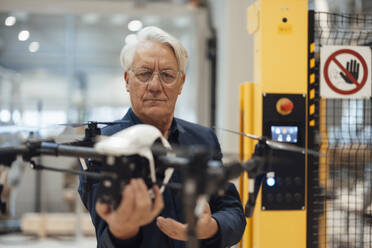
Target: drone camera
128, 167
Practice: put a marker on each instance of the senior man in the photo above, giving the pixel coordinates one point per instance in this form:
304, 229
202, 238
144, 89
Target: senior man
154, 77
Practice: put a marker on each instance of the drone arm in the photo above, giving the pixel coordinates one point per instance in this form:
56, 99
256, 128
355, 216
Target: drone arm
50, 148
249, 206
173, 162
255, 168
9, 154
233, 170
32, 149
94, 175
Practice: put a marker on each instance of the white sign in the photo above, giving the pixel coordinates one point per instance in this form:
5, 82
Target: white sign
345, 72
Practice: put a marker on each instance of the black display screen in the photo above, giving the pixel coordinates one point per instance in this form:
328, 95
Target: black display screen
284, 133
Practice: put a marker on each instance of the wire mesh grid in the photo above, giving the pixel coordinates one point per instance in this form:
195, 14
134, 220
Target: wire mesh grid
342, 200
337, 29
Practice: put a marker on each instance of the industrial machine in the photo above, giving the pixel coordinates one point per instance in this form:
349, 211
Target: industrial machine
279, 105
306, 201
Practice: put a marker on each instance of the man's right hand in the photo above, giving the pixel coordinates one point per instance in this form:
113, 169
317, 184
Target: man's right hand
135, 210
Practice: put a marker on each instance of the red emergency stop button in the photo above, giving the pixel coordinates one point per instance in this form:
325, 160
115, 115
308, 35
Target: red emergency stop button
284, 106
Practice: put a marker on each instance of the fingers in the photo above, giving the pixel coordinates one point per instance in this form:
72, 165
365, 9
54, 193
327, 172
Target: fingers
143, 197
207, 209
136, 207
159, 202
127, 203
145, 209
143, 200
103, 209
344, 77
172, 228
353, 68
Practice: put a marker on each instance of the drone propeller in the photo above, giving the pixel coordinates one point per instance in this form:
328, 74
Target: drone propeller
85, 133
70, 134
251, 136
94, 123
43, 132
292, 148
17, 134
276, 144
60, 134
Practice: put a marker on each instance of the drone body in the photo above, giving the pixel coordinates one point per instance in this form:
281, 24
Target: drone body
129, 155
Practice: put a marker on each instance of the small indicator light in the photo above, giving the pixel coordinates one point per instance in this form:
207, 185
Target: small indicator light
270, 182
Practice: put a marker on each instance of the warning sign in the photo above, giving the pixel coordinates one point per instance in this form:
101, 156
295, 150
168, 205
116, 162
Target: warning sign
345, 72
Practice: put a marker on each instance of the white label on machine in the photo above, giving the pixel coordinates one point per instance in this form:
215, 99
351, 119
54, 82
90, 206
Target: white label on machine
345, 72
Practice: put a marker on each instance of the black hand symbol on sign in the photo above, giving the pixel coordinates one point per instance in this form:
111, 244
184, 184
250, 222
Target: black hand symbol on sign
353, 68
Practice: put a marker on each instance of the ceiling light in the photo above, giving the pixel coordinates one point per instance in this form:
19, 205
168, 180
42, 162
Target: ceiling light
91, 18
135, 25
16, 116
23, 35
10, 21
130, 38
5, 115
34, 47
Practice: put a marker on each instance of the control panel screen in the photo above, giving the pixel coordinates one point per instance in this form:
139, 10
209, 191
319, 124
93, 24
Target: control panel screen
284, 133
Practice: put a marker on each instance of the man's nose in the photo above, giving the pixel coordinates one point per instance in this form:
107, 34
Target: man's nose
155, 84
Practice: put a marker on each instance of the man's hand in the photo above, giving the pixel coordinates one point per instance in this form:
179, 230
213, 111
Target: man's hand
206, 226
135, 210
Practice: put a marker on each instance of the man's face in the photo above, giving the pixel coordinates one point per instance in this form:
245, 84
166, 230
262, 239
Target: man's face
153, 101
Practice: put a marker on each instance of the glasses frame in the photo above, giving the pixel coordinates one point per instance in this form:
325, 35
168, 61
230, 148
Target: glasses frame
134, 70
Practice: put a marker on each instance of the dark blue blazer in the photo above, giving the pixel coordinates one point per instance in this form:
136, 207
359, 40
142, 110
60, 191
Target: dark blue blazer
227, 210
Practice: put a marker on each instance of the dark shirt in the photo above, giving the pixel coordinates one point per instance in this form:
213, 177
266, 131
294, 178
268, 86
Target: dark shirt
226, 210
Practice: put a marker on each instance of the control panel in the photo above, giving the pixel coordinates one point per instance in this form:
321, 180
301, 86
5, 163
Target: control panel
284, 121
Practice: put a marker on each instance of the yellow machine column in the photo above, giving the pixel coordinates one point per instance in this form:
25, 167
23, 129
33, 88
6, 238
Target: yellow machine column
275, 106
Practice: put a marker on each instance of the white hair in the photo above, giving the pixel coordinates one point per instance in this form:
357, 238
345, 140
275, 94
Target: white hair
153, 34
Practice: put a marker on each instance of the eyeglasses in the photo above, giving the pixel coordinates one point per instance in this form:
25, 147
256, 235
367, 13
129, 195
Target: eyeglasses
146, 75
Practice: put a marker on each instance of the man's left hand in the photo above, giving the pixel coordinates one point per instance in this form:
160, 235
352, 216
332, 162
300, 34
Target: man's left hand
206, 226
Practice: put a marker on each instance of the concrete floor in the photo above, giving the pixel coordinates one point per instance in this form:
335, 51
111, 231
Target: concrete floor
21, 241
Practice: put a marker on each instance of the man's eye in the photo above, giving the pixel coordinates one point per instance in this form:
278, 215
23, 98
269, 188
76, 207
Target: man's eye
144, 74
167, 75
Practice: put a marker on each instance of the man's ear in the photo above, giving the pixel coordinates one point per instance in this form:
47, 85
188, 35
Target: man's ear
126, 78
183, 78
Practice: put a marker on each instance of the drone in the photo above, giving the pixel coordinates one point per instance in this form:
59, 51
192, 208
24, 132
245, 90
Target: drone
141, 151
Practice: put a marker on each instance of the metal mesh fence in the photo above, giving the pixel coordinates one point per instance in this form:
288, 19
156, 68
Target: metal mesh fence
337, 29
343, 196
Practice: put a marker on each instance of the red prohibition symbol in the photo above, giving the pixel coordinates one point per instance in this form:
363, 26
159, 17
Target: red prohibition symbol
332, 58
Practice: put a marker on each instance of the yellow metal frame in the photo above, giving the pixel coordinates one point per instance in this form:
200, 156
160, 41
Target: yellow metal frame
280, 29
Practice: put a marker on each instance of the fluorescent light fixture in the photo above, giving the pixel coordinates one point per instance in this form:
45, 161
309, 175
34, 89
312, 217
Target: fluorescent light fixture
5, 115
16, 116
130, 38
34, 46
10, 21
23, 35
90, 18
135, 25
